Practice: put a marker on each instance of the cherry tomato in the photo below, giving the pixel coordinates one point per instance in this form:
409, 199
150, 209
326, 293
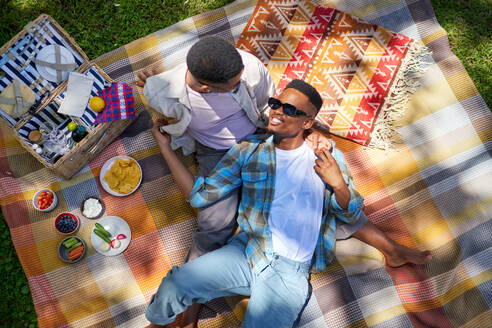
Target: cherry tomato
45, 199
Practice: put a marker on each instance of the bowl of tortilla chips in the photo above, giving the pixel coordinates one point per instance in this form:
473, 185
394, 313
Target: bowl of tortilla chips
121, 175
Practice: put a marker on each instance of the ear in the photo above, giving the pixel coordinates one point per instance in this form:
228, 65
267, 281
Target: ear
204, 88
308, 123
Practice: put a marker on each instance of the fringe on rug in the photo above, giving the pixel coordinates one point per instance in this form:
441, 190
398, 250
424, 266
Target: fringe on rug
416, 62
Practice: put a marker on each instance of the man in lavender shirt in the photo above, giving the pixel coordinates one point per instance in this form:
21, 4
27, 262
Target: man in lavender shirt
218, 97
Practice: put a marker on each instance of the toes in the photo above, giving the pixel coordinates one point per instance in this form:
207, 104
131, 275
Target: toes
427, 257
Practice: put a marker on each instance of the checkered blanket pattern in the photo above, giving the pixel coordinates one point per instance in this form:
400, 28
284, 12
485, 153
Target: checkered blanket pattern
119, 103
434, 193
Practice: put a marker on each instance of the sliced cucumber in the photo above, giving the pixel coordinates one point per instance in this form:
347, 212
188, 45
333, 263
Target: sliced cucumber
70, 242
74, 246
101, 235
104, 231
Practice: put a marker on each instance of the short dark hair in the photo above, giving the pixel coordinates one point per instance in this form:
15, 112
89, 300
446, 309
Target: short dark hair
308, 90
214, 59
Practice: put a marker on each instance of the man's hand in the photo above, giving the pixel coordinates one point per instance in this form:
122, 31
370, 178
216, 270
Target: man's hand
328, 169
163, 139
183, 177
317, 141
143, 75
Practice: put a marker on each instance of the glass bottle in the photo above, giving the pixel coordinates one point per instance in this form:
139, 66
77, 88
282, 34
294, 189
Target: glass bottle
79, 133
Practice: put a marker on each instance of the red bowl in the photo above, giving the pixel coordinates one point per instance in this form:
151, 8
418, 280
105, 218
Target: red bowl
70, 218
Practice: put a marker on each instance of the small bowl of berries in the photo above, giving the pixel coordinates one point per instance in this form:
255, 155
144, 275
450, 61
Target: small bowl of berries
45, 200
66, 223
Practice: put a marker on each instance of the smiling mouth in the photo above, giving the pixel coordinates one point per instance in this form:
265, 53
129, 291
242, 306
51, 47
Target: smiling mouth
274, 120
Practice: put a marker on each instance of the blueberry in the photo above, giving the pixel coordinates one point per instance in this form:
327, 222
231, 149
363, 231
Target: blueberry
66, 224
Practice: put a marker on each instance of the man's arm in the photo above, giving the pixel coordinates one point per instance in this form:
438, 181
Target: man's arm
183, 177
260, 82
347, 203
225, 177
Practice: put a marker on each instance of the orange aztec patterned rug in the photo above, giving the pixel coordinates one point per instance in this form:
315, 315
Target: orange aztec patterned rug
364, 72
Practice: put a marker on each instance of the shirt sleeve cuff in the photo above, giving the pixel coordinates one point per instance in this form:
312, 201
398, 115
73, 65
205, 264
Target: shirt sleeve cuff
193, 198
355, 202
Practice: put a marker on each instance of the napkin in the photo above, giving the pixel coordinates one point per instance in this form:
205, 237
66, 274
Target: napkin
119, 103
77, 94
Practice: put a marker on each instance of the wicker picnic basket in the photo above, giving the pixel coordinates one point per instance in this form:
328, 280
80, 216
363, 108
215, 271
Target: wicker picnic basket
15, 65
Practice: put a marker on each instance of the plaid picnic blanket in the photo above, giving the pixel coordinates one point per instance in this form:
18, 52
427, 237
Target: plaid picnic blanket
434, 193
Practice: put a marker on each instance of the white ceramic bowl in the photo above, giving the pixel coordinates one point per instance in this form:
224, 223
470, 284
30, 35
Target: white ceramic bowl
49, 208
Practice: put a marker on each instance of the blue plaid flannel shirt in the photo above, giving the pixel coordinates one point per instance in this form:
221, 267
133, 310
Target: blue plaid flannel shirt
250, 165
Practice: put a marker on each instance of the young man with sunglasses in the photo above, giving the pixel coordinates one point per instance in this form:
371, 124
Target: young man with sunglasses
218, 97
290, 201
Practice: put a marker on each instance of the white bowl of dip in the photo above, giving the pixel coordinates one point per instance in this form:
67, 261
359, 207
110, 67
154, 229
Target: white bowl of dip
92, 207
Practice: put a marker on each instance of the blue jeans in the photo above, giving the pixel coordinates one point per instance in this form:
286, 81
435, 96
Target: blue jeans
277, 293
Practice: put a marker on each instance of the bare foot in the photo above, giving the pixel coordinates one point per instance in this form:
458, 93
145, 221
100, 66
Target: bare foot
400, 255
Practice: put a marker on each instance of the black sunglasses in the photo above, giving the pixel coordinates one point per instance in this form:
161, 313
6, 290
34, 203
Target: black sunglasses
288, 109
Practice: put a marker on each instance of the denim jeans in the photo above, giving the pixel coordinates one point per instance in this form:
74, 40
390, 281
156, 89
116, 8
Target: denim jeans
277, 293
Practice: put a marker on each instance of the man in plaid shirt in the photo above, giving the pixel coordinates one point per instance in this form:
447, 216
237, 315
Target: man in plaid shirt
217, 98
290, 201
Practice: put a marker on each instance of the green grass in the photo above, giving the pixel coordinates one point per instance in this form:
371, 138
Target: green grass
16, 307
100, 26
469, 27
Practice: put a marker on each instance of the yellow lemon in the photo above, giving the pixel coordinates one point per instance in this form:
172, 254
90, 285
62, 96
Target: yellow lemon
97, 104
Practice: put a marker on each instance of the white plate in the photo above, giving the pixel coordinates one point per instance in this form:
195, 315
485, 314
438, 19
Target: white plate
115, 225
47, 54
106, 166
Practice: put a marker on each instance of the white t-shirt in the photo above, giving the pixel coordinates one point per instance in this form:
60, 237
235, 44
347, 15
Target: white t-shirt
217, 119
297, 207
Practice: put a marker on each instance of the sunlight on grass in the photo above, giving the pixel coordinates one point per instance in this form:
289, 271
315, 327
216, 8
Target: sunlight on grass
470, 37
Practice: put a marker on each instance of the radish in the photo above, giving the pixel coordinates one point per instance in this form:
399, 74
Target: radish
115, 243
